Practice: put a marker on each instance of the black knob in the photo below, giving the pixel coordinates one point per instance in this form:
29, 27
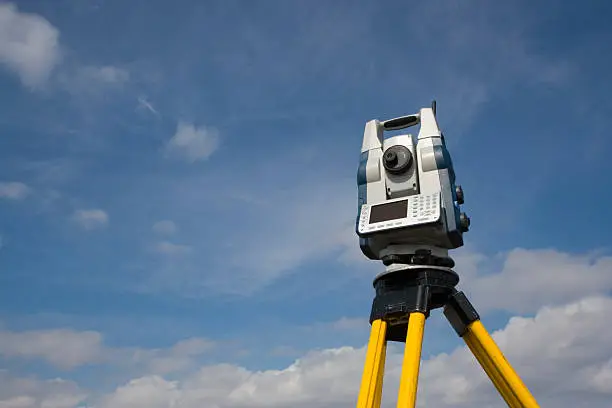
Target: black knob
391, 158
464, 222
397, 159
392, 259
459, 192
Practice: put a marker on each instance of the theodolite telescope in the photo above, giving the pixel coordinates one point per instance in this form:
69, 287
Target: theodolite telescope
409, 217
408, 201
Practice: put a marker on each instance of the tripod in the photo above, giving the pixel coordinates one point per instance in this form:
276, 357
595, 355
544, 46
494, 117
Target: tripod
404, 297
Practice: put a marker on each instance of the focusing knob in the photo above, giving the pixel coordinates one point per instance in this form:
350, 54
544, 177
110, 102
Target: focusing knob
464, 222
391, 158
459, 192
397, 159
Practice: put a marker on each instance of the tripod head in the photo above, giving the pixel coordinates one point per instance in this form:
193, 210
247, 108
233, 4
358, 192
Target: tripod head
408, 202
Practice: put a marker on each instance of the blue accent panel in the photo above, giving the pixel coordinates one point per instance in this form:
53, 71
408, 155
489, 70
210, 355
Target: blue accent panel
440, 157
444, 161
362, 185
362, 197
362, 182
361, 172
362, 193
449, 163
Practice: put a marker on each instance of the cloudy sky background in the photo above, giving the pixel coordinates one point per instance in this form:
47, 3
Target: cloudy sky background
177, 197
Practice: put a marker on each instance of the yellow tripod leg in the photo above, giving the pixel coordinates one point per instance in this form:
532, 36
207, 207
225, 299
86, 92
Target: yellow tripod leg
495, 376
370, 392
379, 385
478, 336
412, 360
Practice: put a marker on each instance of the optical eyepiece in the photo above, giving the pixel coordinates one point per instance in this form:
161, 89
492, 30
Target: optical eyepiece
397, 159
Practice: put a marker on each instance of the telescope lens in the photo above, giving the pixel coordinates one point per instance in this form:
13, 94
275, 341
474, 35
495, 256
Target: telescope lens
391, 157
397, 159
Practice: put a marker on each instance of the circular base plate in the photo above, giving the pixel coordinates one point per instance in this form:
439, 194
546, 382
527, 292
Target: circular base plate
413, 269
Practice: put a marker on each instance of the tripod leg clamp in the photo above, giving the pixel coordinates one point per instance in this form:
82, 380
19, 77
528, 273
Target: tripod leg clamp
415, 288
395, 306
460, 313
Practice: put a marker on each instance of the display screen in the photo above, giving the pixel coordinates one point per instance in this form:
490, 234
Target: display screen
389, 211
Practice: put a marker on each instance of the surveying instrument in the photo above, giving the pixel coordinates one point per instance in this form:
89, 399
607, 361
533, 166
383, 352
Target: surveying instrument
409, 217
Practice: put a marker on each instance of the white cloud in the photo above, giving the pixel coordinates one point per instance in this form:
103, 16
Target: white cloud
274, 230
16, 392
529, 278
193, 143
14, 190
559, 354
18, 402
30, 48
562, 354
350, 323
91, 81
191, 347
91, 219
180, 357
147, 392
165, 227
29, 45
67, 349
292, 226
144, 103
63, 348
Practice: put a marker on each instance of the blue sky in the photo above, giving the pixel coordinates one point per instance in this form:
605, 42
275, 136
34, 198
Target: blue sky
186, 170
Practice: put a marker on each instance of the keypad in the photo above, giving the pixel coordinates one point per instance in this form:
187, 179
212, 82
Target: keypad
423, 208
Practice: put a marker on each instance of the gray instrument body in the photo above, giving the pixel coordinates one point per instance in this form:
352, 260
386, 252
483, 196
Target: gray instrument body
407, 196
